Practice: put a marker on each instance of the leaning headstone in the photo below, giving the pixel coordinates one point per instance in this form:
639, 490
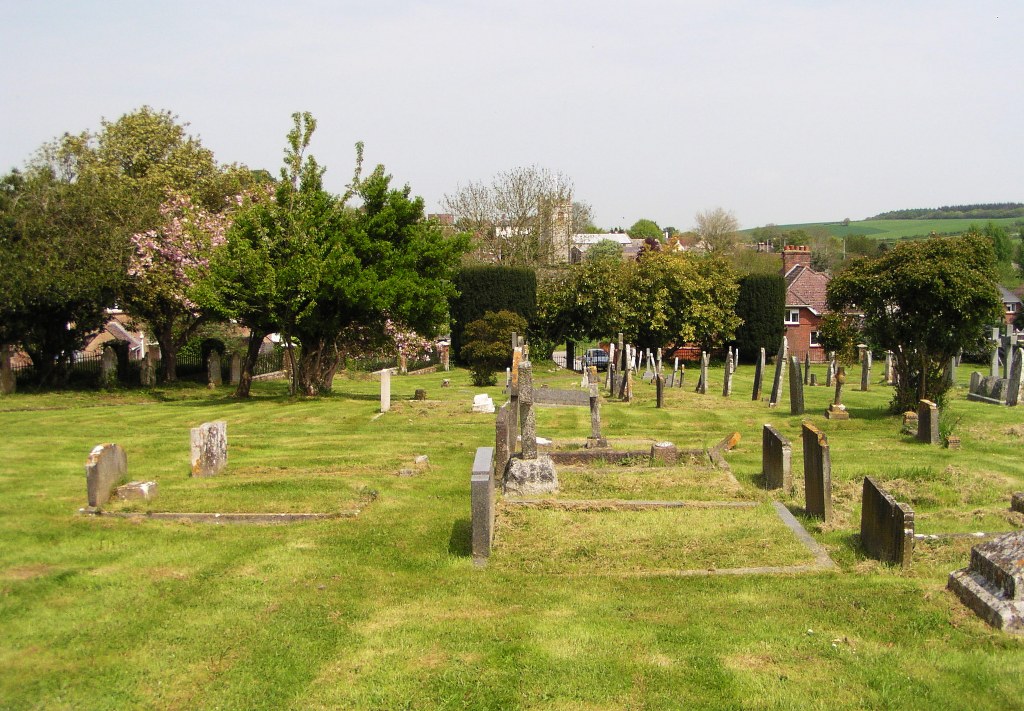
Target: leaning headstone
482, 502
758, 376
659, 385
106, 465
209, 443
817, 473
236, 369
796, 387
108, 368
727, 376
993, 584
776, 459
886, 527
385, 390
780, 370
807, 368
837, 410
928, 422
213, 375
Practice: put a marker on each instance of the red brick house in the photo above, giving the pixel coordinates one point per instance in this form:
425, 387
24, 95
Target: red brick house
805, 303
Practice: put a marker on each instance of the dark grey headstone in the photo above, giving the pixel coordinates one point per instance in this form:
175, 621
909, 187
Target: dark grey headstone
886, 527
236, 369
108, 368
659, 396
928, 422
213, 374
558, 396
796, 387
482, 498
817, 473
106, 465
776, 459
780, 370
758, 377
503, 444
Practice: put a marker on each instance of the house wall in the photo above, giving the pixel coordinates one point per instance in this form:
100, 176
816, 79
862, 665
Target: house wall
798, 337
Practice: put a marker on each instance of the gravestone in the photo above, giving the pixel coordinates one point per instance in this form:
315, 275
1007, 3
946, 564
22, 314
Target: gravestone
776, 459
137, 491
504, 441
108, 368
758, 376
837, 410
385, 390
1014, 382
993, 584
817, 473
886, 527
1017, 502
106, 465
889, 372
796, 387
527, 415
991, 389
807, 368
627, 395
780, 371
446, 357
482, 502
664, 454
8, 381
483, 403
727, 376
595, 439
659, 386
213, 375
865, 368
419, 394
814, 380
147, 373
702, 383
928, 422
682, 375
622, 353
235, 369
209, 443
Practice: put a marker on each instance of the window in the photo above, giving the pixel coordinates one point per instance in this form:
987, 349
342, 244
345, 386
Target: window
792, 316
815, 339
1011, 308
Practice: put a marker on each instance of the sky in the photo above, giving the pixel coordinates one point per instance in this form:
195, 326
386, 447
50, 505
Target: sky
780, 111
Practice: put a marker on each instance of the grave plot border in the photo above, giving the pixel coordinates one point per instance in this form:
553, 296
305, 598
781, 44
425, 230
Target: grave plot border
262, 519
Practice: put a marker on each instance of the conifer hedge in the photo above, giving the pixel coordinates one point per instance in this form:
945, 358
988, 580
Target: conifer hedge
761, 305
491, 288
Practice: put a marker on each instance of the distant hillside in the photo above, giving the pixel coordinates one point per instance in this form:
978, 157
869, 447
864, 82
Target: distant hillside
989, 211
896, 230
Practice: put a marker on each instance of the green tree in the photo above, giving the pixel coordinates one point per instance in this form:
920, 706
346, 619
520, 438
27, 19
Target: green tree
646, 229
924, 301
761, 304
604, 249
1000, 239
488, 346
718, 230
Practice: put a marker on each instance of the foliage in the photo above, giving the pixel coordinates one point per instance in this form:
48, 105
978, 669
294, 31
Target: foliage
604, 249
1000, 241
488, 346
646, 229
977, 211
491, 288
760, 305
839, 333
924, 301
717, 229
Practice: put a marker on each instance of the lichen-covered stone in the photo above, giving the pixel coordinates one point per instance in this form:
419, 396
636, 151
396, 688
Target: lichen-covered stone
137, 490
106, 465
993, 584
527, 477
209, 448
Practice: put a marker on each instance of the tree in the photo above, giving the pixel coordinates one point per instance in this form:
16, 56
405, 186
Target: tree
760, 304
583, 219
488, 344
604, 249
523, 217
646, 229
925, 301
1000, 239
717, 228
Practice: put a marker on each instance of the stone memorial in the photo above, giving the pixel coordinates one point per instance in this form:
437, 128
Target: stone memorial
482, 503
865, 368
1014, 382
702, 382
758, 376
807, 369
817, 473
483, 403
137, 491
529, 473
796, 387
830, 372
209, 443
235, 368
627, 395
504, 441
385, 390
1017, 502
928, 422
993, 584
664, 454
727, 376
780, 371
886, 527
776, 459
213, 374
527, 413
890, 373
108, 368
147, 371
595, 439
419, 394
837, 410
106, 465
659, 387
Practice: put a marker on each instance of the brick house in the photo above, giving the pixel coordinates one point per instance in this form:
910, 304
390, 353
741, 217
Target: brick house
1012, 305
805, 303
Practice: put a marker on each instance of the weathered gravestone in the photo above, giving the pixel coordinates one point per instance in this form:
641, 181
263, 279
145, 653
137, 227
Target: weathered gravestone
758, 376
209, 444
780, 371
991, 389
1017, 502
659, 385
137, 491
776, 459
817, 473
830, 372
147, 373
482, 500
664, 454
213, 374
106, 465
595, 439
483, 403
807, 368
419, 394
796, 387
702, 382
504, 441
385, 390
837, 410
886, 527
865, 368
993, 584
890, 373
928, 422
235, 369
8, 382
529, 473
1014, 382
727, 376
108, 368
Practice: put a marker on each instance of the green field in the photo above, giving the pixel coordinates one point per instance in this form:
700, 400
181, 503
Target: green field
576, 609
903, 229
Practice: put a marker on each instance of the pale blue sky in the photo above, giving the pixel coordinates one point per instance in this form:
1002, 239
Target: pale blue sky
780, 111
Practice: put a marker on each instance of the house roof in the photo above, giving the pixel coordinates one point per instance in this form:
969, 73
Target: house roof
806, 287
1007, 296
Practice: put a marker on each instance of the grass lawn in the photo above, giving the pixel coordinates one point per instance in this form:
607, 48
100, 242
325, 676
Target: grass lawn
576, 610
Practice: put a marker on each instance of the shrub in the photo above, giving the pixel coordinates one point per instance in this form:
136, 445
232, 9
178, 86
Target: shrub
761, 305
488, 345
491, 288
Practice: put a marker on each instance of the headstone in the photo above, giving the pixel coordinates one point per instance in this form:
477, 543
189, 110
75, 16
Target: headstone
1017, 502
830, 372
213, 374
106, 465
659, 386
727, 376
526, 410
1015, 383
780, 371
994, 367
482, 402
503, 443
446, 357
517, 358
776, 459
682, 375
628, 393
1009, 344
758, 376
385, 390
889, 371
950, 373
702, 383
420, 394
814, 380
595, 439
807, 368
796, 387
664, 454
482, 502
446, 383
108, 368
837, 410
528, 477
993, 584
147, 373
865, 369
817, 473
928, 422
209, 444
236, 369
622, 354
886, 527
137, 491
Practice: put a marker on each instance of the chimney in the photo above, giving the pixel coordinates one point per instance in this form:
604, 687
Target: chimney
793, 255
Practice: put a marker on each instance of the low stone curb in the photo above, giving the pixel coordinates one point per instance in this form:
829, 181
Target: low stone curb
624, 504
264, 519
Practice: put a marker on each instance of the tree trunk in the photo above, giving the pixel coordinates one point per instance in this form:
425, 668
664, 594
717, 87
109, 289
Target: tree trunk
252, 352
168, 354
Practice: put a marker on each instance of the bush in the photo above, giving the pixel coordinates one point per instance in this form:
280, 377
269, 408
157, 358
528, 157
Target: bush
488, 346
761, 304
491, 288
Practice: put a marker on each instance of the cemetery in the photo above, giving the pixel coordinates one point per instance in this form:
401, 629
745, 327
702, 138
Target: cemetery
605, 532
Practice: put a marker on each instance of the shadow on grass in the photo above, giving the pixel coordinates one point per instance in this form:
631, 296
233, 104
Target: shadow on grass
870, 413
460, 543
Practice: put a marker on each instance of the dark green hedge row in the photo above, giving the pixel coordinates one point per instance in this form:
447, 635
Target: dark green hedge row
761, 305
491, 288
